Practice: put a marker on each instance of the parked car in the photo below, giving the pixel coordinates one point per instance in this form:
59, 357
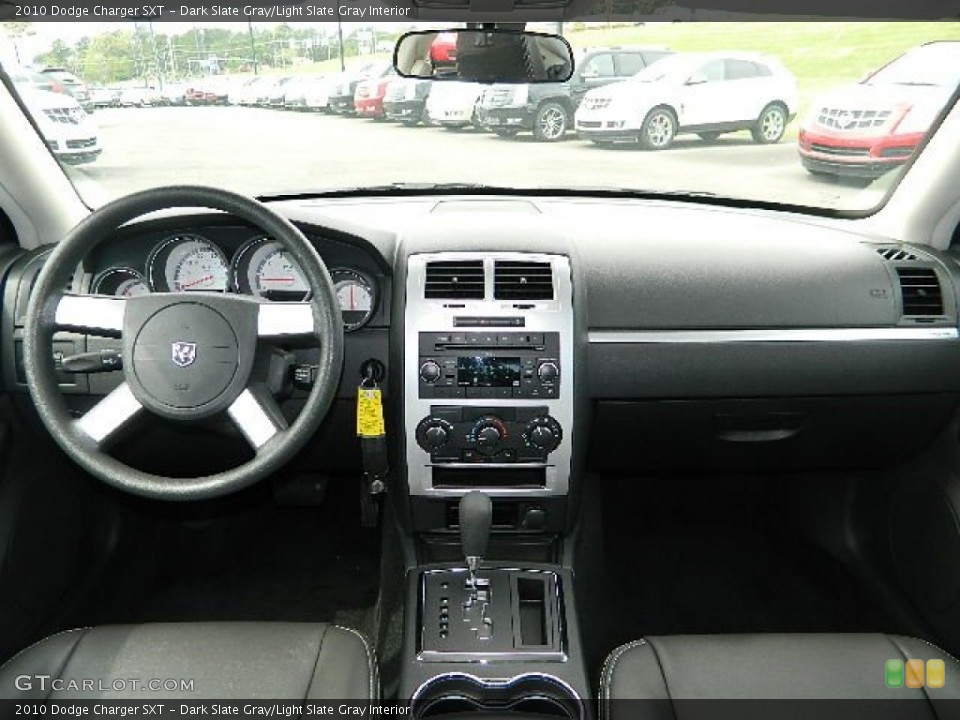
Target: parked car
216, 90
72, 85
275, 97
316, 96
22, 77
704, 93
452, 103
341, 97
868, 128
246, 92
443, 50
104, 97
174, 94
67, 128
294, 93
405, 100
136, 97
369, 95
547, 109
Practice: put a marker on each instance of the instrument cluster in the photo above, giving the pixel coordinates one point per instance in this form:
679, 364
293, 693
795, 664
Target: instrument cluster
190, 262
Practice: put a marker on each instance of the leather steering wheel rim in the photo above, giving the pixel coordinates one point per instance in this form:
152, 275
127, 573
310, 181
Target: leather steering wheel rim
43, 319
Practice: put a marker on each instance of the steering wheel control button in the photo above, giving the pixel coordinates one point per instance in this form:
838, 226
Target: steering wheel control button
186, 355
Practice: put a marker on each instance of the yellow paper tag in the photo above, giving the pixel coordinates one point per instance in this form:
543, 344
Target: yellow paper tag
369, 413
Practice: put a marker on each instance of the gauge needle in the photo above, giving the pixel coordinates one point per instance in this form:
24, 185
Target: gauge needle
198, 281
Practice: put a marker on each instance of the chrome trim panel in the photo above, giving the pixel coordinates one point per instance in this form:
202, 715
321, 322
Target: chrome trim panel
110, 414
94, 313
422, 315
252, 420
643, 337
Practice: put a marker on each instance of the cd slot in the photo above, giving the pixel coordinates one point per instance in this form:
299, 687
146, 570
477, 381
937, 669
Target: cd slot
474, 478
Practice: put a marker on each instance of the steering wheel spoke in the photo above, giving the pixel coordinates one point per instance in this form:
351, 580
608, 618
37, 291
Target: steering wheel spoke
94, 314
257, 416
279, 320
113, 413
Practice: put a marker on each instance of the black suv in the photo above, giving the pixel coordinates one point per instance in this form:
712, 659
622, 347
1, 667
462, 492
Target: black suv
547, 109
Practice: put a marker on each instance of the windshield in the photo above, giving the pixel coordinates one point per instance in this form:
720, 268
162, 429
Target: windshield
758, 112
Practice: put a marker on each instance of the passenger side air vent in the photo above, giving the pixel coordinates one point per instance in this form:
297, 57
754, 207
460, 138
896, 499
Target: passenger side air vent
920, 291
894, 254
455, 280
514, 280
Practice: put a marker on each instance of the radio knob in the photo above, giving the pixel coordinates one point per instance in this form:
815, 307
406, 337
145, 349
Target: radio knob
544, 433
430, 372
548, 372
490, 433
433, 433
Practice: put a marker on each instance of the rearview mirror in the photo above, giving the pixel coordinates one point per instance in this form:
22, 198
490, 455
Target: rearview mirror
485, 56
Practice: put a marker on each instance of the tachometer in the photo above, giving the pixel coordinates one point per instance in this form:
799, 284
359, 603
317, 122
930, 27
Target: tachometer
120, 282
265, 268
188, 263
356, 297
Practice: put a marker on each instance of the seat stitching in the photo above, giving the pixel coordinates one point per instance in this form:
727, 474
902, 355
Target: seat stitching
923, 688
40, 642
372, 668
666, 685
66, 661
609, 666
316, 661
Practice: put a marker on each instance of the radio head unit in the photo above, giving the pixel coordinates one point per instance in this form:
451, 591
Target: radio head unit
489, 365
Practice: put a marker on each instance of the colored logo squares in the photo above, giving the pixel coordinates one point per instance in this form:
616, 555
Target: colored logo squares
915, 673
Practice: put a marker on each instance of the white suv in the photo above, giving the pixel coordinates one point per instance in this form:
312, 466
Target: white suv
704, 93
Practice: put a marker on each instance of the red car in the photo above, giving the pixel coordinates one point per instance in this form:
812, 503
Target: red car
368, 97
866, 129
443, 50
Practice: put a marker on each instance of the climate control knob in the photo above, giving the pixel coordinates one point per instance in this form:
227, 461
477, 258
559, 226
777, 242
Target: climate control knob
430, 372
544, 433
490, 432
433, 433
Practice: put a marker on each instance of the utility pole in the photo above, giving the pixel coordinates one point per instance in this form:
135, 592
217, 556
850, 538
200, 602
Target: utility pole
253, 48
156, 58
343, 66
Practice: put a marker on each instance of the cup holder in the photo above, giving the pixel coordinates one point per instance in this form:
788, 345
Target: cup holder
534, 695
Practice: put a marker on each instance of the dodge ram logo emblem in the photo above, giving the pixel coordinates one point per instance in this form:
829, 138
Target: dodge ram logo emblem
184, 353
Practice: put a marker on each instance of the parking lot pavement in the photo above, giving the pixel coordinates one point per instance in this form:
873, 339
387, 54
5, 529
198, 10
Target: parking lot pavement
256, 151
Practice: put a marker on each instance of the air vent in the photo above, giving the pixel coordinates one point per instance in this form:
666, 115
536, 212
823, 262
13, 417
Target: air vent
522, 280
920, 290
455, 280
893, 254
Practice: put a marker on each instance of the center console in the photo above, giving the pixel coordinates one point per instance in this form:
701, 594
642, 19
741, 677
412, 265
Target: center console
489, 417
488, 386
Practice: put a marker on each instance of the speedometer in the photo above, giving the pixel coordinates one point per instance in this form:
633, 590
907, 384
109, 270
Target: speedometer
264, 268
188, 263
356, 297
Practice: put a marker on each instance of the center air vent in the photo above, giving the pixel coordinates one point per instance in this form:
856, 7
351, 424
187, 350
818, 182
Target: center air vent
514, 280
920, 291
455, 280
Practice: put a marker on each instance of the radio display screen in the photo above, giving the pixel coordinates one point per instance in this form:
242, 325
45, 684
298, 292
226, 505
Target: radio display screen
488, 372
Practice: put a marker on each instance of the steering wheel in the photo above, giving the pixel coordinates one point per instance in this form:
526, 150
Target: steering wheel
186, 356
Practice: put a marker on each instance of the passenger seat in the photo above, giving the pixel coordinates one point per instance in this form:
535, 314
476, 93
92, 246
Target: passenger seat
677, 669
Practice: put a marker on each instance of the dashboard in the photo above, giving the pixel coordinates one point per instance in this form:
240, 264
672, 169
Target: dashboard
529, 343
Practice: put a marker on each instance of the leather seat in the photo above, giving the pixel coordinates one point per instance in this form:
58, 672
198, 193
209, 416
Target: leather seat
674, 670
224, 661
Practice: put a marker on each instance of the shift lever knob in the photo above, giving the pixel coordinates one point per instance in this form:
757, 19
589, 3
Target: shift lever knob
476, 516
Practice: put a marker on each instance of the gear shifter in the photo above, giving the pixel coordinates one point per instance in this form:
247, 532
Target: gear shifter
476, 516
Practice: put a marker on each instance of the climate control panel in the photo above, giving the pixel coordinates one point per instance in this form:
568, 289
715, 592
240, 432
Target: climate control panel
489, 434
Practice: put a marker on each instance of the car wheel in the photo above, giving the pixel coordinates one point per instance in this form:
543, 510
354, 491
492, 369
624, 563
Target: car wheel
505, 132
771, 125
551, 122
709, 136
659, 129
